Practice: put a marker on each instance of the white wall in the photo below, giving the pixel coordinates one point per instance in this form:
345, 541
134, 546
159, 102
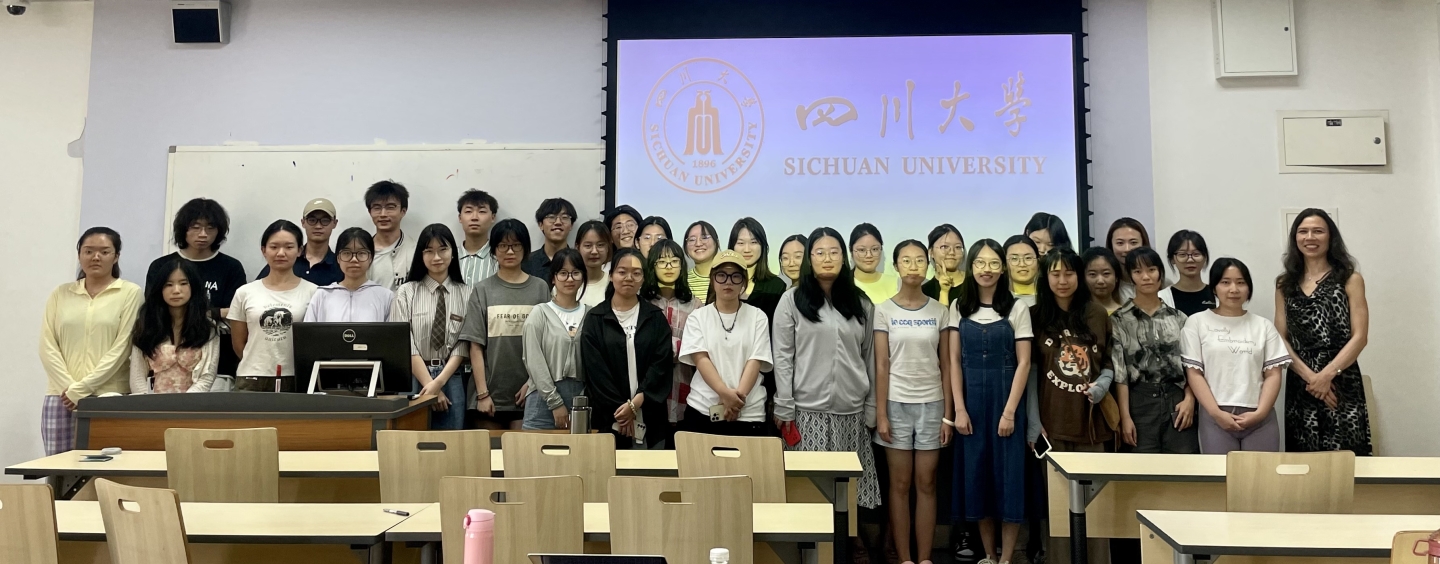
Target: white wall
45, 62
333, 72
1119, 101
1214, 159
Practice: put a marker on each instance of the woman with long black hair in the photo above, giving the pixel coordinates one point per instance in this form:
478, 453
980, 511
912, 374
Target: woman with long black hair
1048, 232
763, 290
663, 287
176, 345
947, 259
825, 360
1322, 315
433, 301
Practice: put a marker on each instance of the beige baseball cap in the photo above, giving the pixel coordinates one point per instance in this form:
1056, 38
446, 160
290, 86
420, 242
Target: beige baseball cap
728, 256
319, 204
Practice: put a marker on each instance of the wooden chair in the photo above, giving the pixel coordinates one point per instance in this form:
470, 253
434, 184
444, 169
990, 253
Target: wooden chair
1290, 482
760, 458
591, 457
412, 462
1403, 549
682, 518
224, 465
142, 525
27, 524
532, 515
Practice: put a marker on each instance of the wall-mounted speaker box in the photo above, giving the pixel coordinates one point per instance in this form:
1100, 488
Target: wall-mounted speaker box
200, 21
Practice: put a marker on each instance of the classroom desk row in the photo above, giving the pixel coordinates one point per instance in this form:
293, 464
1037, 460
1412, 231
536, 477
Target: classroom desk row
366, 527
1183, 536
1098, 494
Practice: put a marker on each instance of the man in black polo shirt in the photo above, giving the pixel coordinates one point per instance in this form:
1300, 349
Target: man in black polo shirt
555, 216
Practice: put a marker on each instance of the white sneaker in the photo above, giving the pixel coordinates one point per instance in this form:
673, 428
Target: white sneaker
986, 561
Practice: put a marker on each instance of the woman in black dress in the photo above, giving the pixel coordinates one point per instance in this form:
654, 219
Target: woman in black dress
1321, 313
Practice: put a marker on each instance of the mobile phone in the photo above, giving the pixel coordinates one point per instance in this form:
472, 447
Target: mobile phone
1042, 447
97, 458
717, 413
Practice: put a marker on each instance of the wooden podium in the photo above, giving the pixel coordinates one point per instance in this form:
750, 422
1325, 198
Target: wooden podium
304, 421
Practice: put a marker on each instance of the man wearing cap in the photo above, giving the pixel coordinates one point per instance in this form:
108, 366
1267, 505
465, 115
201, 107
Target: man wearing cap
317, 264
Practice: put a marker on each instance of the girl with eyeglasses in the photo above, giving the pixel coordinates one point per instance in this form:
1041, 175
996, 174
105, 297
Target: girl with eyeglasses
868, 249
552, 346
176, 347
356, 298
663, 288
263, 312
910, 399
498, 308
989, 365
824, 348
947, 257
624, 224
792, 253
85, 336
1022, 261
701, 244
628, 357
1188, 256
433, 301
728, 344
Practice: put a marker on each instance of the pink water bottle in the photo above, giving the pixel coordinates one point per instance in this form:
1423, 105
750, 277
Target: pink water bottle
479, 537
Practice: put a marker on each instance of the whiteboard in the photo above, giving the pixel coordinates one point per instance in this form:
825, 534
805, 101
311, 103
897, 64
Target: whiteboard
260, 184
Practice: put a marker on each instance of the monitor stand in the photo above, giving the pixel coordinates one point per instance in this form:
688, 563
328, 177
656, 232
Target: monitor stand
373, 365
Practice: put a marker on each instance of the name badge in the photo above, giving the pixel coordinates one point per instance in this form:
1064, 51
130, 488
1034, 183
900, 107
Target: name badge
457, 318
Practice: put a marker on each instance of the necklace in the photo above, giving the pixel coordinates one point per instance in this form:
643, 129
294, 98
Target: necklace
1317, 277
733, 320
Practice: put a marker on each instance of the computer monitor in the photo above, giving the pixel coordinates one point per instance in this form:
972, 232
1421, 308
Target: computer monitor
386, 343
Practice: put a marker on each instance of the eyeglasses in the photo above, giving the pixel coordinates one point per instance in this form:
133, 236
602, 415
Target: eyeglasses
630, 274
867, 252
444, 252
908, 261
557, 218
822, 254
625, 226
570, 275
198, 227
668, 263
692, 240
1189, 257
92, 253
354, 256
509, 248
946, 249
731, 278
322, 221
1022, 260
384, 207
986, 265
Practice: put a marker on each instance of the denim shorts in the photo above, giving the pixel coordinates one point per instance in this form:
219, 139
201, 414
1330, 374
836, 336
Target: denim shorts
914, 426
538, 415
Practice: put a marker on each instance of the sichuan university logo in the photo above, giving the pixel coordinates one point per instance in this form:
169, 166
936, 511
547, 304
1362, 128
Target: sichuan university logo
703, 125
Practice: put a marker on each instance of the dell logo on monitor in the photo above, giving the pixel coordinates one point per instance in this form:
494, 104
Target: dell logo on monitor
348, 335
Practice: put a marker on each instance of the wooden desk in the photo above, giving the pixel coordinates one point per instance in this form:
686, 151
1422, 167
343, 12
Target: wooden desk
829, 471
1181, 536
304, 421
360, 525
774, 522
1100, 492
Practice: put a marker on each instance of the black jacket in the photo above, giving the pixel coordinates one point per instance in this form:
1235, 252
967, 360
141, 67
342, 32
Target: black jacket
607, 370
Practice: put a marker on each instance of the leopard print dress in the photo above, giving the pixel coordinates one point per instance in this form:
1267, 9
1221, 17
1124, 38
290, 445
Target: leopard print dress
1318, 326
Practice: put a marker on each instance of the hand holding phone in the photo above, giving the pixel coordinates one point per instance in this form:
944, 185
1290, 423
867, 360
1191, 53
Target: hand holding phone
1042, 447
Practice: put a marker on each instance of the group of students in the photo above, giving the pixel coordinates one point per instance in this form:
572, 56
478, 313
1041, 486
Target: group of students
996, 347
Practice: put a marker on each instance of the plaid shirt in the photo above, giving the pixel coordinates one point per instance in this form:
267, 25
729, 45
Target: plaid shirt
1146, 348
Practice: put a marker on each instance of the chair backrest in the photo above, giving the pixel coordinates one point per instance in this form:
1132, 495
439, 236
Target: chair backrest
27, 524
760, 458
532, 515
497, 435
591, 457
142, 525
412, 462
1290, 482
682, 518
224, 465
1403, 549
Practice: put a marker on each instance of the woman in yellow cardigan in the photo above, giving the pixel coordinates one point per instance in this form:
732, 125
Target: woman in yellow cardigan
85, 338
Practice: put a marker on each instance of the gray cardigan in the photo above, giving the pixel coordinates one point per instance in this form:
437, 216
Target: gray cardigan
551, 353
826, 367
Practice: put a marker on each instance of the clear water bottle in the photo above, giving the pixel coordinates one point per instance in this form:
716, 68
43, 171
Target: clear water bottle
717, 556
479, 537
580, 416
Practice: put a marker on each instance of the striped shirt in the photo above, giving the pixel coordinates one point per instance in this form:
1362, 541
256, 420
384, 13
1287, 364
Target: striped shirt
478, 265
415, 304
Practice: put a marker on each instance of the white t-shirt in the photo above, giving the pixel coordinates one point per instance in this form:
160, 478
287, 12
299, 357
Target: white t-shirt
748, 339
1233, 353
628, 320
595, 292
1019, 318
570, 317
392, 264
914, 337
269, 315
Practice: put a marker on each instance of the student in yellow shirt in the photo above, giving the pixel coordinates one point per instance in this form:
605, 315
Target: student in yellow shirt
85, 337
701, 244
868, 248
